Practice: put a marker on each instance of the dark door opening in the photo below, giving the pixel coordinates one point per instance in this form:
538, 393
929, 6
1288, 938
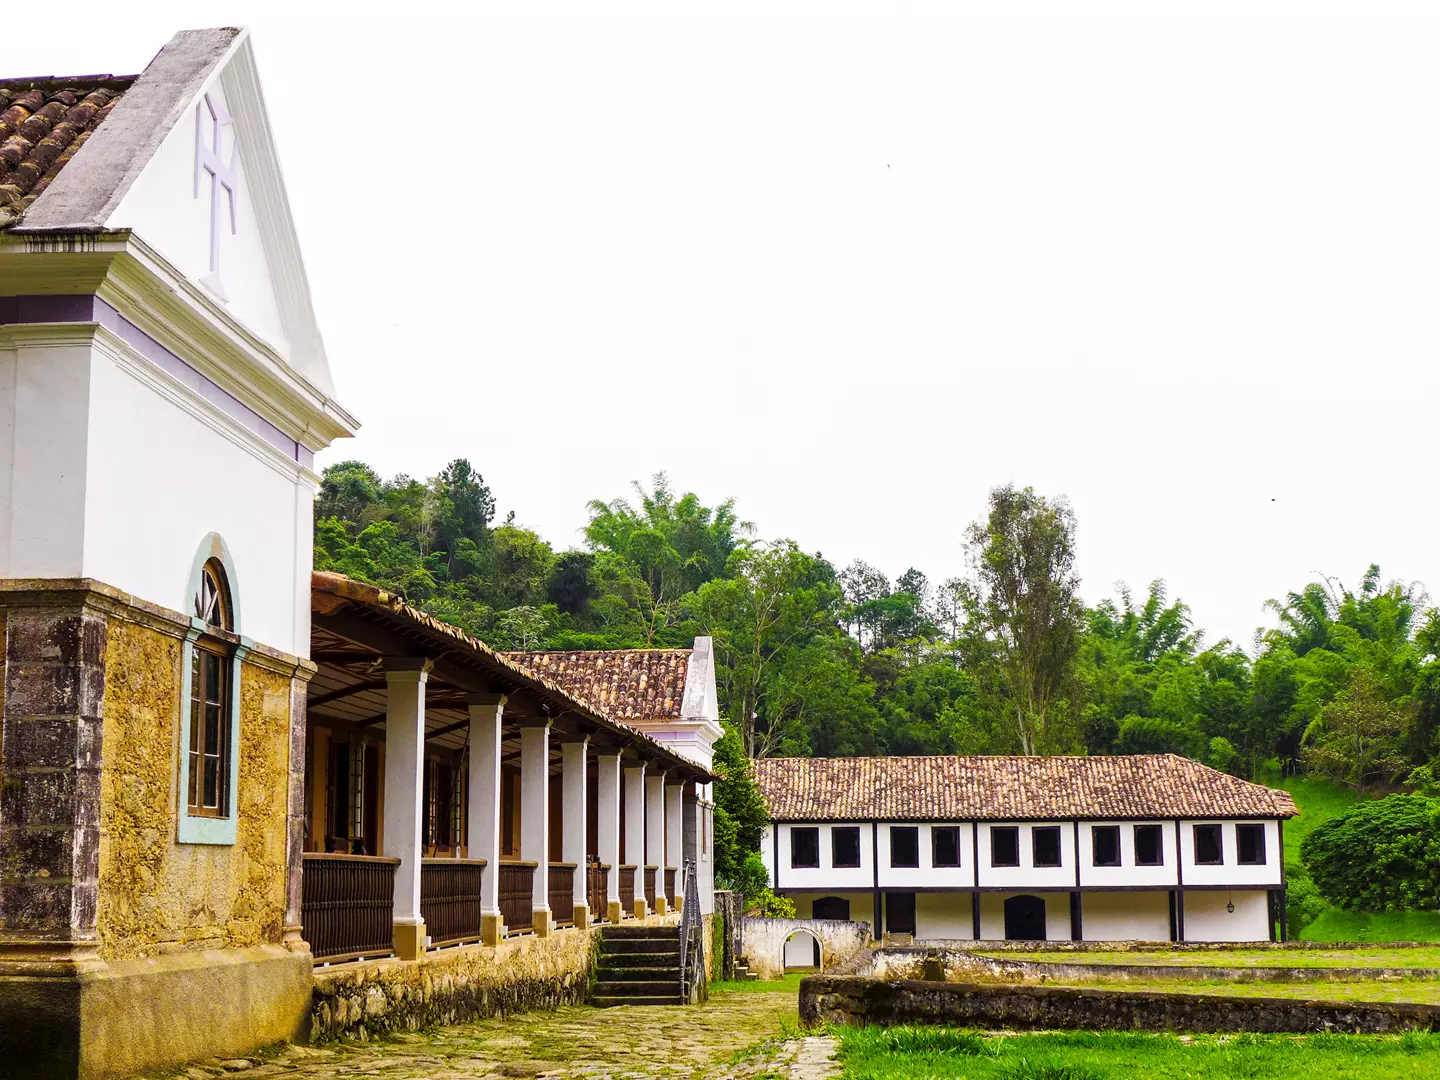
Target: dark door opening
900, 912
831, 907
1025, 918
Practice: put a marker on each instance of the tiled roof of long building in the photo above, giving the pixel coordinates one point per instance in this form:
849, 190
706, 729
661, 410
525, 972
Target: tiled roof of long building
1008, 789
43, 125
629, 684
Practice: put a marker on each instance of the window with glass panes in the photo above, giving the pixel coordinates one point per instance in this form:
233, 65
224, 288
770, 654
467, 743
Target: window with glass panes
210, 662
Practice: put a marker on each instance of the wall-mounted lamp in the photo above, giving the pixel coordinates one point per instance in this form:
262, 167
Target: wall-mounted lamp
1229, 904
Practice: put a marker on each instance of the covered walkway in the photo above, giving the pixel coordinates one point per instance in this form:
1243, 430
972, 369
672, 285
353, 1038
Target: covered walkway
453, 795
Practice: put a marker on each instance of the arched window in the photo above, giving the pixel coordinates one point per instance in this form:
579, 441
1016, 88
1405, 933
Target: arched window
212, 601
211, 687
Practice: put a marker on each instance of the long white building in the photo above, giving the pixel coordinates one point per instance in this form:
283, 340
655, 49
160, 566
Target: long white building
1148, 848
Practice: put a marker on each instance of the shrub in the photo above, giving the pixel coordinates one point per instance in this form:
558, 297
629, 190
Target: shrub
1303, 902
767, 905
1380, 856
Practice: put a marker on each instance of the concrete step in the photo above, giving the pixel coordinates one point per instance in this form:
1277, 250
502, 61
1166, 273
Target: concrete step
656, 988
643, 946
669, 933
637, 974
606, 1002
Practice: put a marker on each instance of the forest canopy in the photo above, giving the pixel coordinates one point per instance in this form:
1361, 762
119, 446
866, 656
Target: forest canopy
1007, 658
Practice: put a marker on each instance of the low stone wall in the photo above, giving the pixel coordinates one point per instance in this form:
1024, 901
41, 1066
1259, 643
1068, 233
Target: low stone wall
764, 942
452, 986
1071, 971
853, 999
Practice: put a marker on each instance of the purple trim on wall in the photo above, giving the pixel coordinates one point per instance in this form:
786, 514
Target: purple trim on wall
86, 308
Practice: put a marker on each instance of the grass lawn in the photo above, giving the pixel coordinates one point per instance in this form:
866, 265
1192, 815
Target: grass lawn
1337, 924
939, 1053
1261, 958
1319, 801
787, 984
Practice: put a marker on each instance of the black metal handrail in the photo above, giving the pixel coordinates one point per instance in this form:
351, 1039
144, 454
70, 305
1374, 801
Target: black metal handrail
692, 946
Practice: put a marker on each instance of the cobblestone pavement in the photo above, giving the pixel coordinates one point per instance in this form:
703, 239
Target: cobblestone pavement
742, 1034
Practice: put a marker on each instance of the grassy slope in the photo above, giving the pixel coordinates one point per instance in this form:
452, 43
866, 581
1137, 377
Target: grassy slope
1319, 801
905, 1053
1248, 958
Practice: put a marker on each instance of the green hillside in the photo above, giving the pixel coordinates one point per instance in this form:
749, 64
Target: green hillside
1319, 801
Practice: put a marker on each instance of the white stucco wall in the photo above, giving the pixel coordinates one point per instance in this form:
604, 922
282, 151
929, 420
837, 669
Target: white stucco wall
1027, 875
161, 477
944, 916
115, 472
1230, 872
1207, 920
826, 875
927, 875
800, 950
992, 915
862, 904
1125, 916
1127, 873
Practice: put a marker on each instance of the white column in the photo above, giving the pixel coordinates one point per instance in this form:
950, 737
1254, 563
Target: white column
572, 843
535, 817
674, 820
405, 679
486, 711
655, 834
607, 845
635, 835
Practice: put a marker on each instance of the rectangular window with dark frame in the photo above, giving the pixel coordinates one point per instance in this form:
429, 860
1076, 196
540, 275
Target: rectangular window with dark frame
1149, 846
945, 845
904, 845
1250, 845
804, 846
1004, 845
1209, 850
845, 846
1105, 844
209, 733
1045, 841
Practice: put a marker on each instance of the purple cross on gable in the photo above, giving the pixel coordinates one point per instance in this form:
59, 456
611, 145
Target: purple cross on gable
222, 175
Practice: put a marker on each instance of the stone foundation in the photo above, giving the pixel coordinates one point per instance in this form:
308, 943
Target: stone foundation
859, 1000
451, 986
132, 1015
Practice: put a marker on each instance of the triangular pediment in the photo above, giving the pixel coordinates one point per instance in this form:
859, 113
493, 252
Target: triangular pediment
186, 162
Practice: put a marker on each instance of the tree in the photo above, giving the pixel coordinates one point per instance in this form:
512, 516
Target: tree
774, 599
1356, 740
1381, 856
740, 814
1025, 604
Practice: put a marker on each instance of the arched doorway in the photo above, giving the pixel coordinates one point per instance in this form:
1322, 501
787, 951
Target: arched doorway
801, 951
831, 907
1024, 918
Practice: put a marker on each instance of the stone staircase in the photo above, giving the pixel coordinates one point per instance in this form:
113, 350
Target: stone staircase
638, 965
743, 972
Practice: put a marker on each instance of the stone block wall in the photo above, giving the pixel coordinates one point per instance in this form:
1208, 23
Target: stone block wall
356, 1001
764, 942
859, 1000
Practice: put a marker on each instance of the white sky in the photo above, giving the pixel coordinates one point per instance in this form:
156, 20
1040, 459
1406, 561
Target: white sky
854, 265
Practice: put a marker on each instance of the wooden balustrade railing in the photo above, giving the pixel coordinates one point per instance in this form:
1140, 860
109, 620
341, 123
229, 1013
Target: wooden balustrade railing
347, 905
597, 895
450, 899
561, 890
670, 885
650, 887
627, 889
517, 894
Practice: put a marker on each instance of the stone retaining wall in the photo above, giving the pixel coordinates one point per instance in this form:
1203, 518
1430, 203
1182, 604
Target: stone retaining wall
764, 942
1002, 967
452, 986
860, 1000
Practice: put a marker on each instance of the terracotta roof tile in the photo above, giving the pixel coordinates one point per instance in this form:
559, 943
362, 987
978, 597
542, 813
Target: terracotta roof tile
629, 684
1008, 789
43, 125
